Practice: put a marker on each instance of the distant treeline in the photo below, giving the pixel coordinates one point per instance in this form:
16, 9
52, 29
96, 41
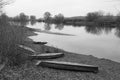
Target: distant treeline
97, 18
21, 17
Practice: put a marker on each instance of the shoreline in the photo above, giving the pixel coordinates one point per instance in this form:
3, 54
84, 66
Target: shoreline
108, 69
74, 52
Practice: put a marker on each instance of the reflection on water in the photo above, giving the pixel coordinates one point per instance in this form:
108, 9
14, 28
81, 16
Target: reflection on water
97, 30
32, 22
117, 33
59, 26
47, 26
100, 41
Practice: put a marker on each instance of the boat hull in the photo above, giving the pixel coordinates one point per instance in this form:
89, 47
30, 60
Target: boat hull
68, 66
41, 43
47, 56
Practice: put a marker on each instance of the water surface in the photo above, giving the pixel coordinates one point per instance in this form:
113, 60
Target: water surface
102, 42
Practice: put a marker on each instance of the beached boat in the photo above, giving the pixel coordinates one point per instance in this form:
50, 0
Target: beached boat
41, 43
68, 66
46, 56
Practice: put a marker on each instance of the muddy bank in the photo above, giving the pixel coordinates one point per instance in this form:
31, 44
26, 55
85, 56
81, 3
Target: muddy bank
108, 70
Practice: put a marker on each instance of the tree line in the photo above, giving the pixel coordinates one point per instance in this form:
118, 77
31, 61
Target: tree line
96, 17
100, 17
56, 19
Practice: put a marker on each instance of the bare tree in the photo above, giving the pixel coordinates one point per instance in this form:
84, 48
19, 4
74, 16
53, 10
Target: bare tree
3, 3
118, 17
93, 16
23, 17
59, 18
47, 16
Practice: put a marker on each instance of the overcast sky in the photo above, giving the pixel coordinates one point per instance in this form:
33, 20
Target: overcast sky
66, 7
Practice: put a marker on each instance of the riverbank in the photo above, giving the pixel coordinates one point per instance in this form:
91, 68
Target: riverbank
108, 70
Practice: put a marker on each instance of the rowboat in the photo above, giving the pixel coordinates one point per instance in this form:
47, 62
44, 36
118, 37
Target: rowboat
42, 43
68, 66
27, 48
47, 56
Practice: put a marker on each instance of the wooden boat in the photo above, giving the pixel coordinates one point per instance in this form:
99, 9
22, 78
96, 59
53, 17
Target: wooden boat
27, 48
41, 43
46, 56
68, 66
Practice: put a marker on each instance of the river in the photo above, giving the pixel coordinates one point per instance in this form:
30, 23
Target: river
101, 42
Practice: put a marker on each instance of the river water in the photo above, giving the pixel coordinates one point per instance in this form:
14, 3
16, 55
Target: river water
101, 42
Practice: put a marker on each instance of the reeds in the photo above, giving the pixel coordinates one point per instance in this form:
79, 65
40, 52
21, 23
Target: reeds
10, 37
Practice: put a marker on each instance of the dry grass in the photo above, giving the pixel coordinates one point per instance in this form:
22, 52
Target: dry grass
10, 36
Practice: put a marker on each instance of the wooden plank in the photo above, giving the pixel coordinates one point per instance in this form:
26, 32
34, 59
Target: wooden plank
68, 66
3, 63
2, 66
